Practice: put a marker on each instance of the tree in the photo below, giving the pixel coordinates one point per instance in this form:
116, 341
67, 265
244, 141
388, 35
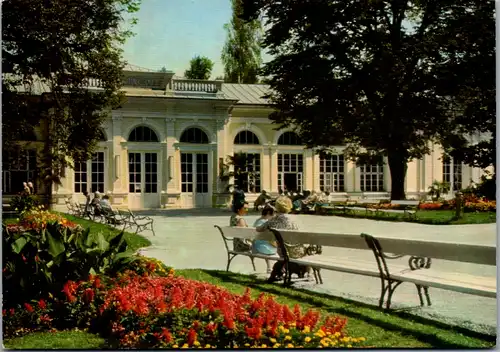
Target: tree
368, 74
163, 69
52, 50
241, 54
200, 67
473, 90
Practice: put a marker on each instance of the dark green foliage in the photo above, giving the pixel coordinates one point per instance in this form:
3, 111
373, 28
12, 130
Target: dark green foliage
37, 262
241, 54
200, 67
51, 50
372, 75
24, 202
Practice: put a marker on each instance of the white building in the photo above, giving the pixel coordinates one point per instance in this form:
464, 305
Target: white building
165, 147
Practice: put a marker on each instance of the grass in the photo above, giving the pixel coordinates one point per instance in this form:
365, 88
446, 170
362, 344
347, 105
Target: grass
431, 217
382, 329
56, 340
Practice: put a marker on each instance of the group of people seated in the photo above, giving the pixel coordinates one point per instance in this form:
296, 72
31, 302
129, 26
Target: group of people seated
275, 217
97, 205
300, 201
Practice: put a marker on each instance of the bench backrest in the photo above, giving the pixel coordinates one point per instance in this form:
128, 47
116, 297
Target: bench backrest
461, 252
368, 201
405, 202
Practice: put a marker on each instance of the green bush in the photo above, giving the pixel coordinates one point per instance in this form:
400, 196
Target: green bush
24, 203
38, 260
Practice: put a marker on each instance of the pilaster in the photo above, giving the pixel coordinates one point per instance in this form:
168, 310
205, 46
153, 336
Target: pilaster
273, 167
308, 183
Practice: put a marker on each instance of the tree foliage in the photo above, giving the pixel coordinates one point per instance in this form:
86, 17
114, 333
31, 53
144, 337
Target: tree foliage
51, 50
200, 67
472, 138
371, 74
241, 54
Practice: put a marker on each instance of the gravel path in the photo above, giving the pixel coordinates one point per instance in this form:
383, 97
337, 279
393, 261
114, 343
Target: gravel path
187, 239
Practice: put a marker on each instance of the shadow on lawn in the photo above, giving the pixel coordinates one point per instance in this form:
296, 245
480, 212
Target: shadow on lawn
357, 310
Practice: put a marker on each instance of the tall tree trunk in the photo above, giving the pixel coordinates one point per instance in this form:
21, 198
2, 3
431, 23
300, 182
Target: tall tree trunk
398, 164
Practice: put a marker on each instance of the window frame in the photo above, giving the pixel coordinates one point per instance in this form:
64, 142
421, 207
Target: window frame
327, 166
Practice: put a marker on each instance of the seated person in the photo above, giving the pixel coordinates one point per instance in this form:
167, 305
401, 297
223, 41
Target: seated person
87, 202
105, 204
240, 208
262, 246
261, 200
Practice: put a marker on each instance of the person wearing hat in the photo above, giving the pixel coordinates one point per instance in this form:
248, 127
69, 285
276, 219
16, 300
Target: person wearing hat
282, 221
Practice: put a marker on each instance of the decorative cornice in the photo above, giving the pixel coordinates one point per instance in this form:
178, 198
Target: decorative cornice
170, 120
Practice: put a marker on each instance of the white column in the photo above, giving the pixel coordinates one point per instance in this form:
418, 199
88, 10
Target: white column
170, 175
308, 182
351, 177
273, 167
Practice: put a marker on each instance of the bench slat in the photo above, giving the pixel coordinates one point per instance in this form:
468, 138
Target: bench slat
480, 286
360, 267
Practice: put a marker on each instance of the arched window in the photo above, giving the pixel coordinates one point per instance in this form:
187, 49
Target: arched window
246, 137
143, 134
289, 138
194, 135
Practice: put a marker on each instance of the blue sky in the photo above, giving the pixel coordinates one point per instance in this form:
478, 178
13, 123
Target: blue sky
170, 32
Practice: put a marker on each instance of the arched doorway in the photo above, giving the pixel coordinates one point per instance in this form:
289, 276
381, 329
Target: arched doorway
143, 169
195, 166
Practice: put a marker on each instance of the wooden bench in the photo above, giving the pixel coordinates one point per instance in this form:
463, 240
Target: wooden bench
418, 272
231, 253
410, 207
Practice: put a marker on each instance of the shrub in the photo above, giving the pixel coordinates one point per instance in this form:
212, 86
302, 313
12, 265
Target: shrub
171, 312
25, 202
45, 250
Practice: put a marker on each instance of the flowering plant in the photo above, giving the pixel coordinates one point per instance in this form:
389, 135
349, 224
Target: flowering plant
37, 219
173, 312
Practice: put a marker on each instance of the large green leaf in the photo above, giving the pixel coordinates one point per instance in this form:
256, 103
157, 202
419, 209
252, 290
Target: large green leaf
19, 244
102, 244
56, 246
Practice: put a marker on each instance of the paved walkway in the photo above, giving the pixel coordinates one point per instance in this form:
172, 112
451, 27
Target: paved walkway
187, 239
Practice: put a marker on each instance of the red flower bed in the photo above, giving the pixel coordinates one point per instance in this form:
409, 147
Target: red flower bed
157, 312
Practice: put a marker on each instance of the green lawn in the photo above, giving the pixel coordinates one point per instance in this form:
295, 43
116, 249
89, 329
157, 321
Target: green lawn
56, 340
432, 217
393, 329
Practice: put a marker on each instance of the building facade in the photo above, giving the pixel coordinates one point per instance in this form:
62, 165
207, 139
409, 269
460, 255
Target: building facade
166, 146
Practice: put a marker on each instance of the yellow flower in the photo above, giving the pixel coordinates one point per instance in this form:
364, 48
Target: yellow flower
185, 346
175, 346
307, 329
288, 337
293, 324
247, 345
307, 339
361, 339
263, 346
289, 345
196, 343
349, 346
207, 345
272, 340
276, 345
337, 334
